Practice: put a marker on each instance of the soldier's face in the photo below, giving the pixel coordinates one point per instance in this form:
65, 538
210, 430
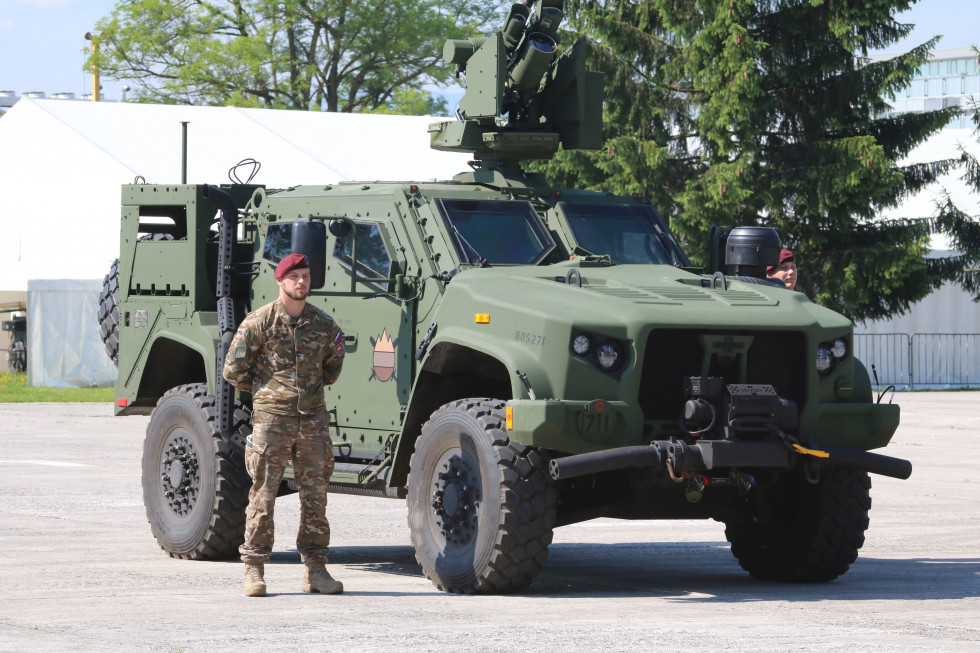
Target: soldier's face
786, 273
296, 283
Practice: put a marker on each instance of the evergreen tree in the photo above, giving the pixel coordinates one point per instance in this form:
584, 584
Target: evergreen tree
962, 227
766, 112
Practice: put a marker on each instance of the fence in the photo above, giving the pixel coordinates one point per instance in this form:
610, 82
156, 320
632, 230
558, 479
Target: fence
922, 360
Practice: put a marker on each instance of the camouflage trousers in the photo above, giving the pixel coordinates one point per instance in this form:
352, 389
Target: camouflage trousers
275, 440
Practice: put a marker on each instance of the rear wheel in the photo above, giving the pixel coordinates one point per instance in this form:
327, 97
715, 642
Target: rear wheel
195, 487
797, 531
481, 508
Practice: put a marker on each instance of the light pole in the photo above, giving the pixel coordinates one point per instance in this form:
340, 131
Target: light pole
96, 84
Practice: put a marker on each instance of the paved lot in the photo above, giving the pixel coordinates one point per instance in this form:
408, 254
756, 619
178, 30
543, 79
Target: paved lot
80, 570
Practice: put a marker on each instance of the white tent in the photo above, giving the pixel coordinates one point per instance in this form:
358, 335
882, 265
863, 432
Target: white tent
63, 345
62, 164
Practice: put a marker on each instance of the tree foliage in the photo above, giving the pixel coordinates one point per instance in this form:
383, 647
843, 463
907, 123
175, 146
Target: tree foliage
333, 55
962, 227
770, 112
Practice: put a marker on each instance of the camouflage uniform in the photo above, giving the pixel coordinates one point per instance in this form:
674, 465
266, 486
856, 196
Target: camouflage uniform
285, 362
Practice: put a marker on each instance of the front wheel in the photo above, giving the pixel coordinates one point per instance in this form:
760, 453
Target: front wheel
195, 487
481, 508
799, 531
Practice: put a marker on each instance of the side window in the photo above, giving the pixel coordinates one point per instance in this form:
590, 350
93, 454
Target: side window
278, 242
373, 260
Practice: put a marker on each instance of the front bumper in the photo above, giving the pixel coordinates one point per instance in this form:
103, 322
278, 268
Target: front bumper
679, 458
605, 435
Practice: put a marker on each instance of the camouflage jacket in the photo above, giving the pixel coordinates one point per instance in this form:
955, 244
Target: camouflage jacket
285, 362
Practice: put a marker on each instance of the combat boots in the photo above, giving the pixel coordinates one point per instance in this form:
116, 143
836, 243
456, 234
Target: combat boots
317, 579
255, 580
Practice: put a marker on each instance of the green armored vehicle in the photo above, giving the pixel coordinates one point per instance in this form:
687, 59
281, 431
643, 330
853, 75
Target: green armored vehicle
519, 357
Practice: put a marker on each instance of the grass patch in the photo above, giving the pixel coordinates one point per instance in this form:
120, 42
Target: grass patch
14, 389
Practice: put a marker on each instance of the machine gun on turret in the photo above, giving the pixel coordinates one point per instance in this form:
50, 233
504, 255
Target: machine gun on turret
522, 98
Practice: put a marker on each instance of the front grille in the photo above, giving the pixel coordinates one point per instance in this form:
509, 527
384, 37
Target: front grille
777, 358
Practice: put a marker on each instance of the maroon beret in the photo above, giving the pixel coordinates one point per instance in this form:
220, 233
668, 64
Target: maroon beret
290, 263
784, 256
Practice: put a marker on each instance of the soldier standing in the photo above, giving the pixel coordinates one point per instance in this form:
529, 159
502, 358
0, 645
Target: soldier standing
284, 354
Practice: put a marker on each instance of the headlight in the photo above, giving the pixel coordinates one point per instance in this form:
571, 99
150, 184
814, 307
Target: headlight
607, 356
839, 350
824, 360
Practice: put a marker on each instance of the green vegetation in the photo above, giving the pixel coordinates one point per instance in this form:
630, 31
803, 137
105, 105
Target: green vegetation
770, 112
962, 225
14, 389
330, 55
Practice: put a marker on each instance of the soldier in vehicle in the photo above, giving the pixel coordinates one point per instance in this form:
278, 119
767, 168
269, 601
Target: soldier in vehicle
785, 271
284, 354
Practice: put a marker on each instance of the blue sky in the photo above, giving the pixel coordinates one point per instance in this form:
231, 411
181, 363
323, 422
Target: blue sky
42, 41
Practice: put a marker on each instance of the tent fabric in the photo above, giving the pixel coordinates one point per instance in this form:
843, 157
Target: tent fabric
64, 349
62, 164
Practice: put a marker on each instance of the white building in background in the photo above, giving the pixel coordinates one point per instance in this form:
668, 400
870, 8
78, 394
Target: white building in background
951, 78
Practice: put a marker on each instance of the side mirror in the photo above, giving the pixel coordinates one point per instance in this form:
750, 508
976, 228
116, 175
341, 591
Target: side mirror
340, 228
718, 237
310, 238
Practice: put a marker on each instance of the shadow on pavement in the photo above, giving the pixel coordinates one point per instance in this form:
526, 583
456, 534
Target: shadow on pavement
694, 571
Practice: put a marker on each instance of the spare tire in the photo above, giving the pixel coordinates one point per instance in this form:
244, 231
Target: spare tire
109, 312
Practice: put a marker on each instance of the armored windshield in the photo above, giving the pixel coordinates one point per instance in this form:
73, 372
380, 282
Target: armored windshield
627, 234
497, 232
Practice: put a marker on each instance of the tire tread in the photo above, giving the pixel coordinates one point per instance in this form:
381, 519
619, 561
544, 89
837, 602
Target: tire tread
528, 506
226, 528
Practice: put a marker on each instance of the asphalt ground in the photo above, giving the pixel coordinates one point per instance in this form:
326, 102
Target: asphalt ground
80, 570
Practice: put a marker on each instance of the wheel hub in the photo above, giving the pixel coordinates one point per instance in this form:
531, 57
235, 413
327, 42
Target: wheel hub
180, 472
455, 500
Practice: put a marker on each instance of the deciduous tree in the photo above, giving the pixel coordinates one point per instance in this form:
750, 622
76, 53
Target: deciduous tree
332, 55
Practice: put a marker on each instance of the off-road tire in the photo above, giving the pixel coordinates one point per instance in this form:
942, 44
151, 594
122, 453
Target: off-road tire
467, 475
109, 312
813, 532
185, 455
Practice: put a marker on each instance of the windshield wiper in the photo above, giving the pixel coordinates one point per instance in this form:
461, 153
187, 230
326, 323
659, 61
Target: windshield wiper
578, 250
669, 247
481, 262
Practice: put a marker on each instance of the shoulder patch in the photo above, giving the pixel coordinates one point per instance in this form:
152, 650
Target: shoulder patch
241, 351
338, 344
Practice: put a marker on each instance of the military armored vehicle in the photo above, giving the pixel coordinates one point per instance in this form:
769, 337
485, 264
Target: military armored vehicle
518, 357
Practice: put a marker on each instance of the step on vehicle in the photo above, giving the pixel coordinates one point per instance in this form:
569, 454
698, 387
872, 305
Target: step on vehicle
519, 357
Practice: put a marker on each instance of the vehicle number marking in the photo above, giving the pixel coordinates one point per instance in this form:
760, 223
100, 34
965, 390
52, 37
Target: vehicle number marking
533, 339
